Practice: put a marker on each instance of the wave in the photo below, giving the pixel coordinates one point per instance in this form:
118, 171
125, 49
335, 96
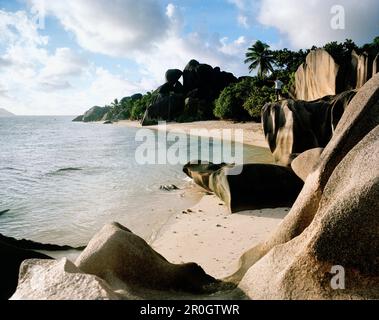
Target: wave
64, 170
69, 169
12, 169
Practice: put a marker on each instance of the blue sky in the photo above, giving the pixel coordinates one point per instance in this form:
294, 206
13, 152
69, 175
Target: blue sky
89, 52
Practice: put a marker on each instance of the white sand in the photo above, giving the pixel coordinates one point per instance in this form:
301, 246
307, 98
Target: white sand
253, 132
213, 238
208, 234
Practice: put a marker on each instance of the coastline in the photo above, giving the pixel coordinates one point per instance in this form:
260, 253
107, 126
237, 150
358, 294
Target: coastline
207, 233
253, 132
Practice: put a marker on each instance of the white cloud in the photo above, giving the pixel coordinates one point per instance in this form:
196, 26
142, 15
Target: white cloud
34, 81
60, 68
111, 27
308, 23
39, 81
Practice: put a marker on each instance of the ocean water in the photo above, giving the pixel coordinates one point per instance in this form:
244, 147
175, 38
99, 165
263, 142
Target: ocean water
62, 181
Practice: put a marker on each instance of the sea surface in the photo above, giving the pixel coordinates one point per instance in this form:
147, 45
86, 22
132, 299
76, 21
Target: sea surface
62, 181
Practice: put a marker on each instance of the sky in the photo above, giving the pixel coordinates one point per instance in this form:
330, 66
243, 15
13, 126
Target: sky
61, 57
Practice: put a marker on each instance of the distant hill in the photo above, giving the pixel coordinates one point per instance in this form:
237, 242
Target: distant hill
5, 113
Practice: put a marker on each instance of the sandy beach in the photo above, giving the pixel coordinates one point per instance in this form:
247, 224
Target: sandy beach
207, 233
253, 132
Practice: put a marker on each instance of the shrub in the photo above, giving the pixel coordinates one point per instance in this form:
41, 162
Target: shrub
229, 104
139, 106
257, 99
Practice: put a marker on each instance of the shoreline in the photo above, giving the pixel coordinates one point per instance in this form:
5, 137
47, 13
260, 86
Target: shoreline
210, 236
207, 233
253, 131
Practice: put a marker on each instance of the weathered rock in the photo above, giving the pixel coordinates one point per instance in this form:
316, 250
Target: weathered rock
306, 163
375, 67
126, 261
173, 76
344, 232
292, 127
59, 280
316, 78
95, 114
257, 186
360, 117
323, 75
362, 67
11, 259
207, 81
78, 119
164, 108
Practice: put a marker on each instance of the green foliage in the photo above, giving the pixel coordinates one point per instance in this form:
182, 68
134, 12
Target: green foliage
229, 105
259, 96
139, 106
341, 51
289, 61
259, 56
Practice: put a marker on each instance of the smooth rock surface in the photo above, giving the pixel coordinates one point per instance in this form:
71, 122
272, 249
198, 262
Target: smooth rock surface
360, 117
59, 280
247, 187
344, 232
127, 262
292, 127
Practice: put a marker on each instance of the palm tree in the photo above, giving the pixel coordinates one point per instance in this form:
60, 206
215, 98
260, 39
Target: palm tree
259, 56
115, 104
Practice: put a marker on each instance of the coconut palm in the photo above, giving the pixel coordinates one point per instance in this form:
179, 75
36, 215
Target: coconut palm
259, 56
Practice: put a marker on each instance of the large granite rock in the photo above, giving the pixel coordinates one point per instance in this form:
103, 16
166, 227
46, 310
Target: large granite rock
208, 81
359, 119
344, 232
166, 107
173, 76
193, 100
127, 262
59, 280
306, 163
322, 75
78, 119
11, 259
375, 67
247, 187
13, 252
95, 114
292, 127
362, 64
316, 78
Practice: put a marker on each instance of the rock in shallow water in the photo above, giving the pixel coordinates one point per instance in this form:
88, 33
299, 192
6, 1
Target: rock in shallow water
247, 187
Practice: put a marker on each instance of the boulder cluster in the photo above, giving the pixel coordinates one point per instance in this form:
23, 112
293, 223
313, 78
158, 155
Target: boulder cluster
190, 100
202, 84
322, 75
